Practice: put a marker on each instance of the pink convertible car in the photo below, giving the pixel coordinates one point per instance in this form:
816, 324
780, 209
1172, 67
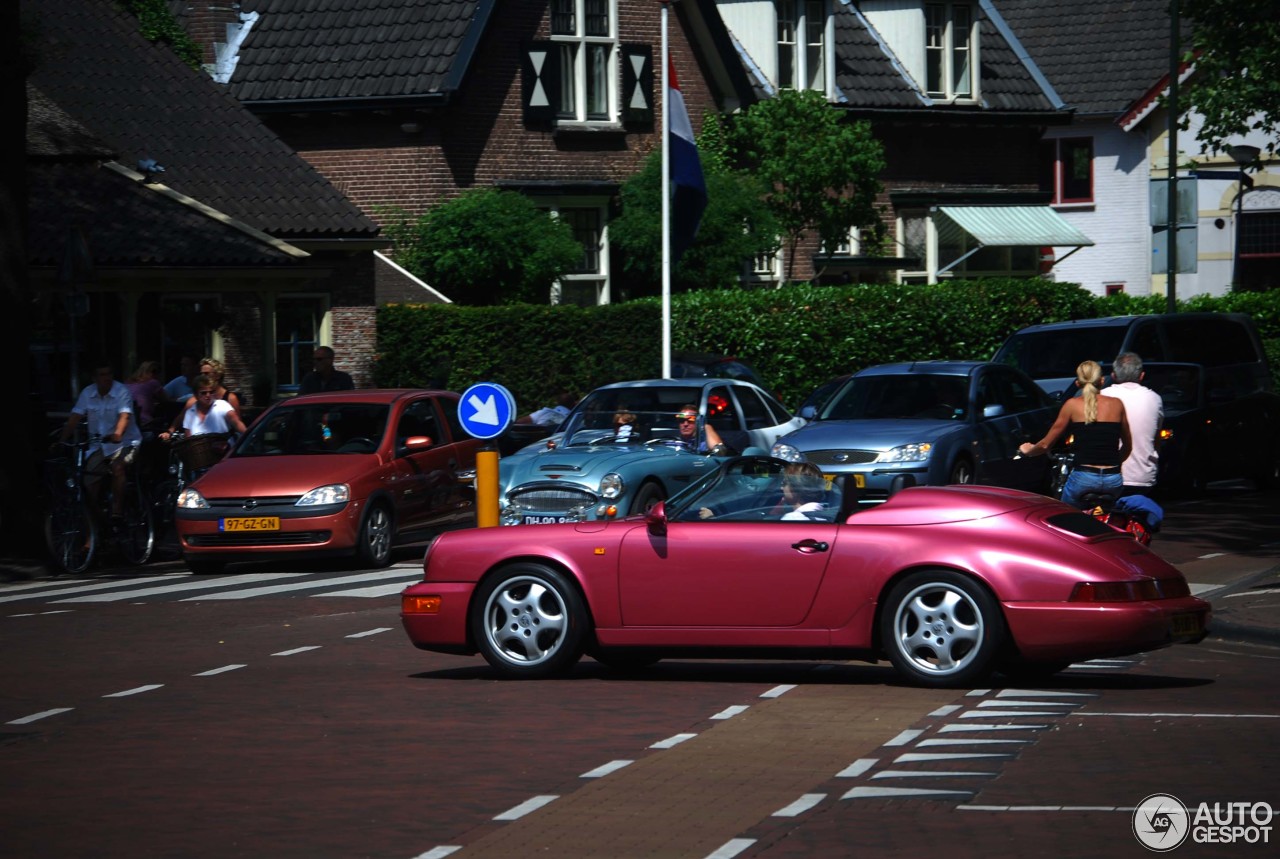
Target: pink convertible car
947, 583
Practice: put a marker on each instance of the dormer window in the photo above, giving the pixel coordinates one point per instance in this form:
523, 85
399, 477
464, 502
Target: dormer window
584, 33
802, 44
950, 39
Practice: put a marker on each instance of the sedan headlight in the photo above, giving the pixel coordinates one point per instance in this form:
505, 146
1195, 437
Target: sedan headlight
611, 485
334, 493
786, 451
907, 453
190, 499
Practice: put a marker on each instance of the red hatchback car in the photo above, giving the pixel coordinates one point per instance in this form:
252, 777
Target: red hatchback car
349, 472
948, 584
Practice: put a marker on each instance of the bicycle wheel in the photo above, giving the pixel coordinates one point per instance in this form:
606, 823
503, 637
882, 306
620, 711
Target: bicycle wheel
163, 503
136, 535
71, 536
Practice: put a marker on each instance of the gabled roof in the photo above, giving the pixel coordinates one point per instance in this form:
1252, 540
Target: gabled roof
1100, 55
869, 76
382, 52
144, 103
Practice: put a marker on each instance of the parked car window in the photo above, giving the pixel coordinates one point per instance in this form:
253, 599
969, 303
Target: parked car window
754, 411
1015, 394
721, 412
1146, 342
780, 413
907, 395
1056, 354
1212, 342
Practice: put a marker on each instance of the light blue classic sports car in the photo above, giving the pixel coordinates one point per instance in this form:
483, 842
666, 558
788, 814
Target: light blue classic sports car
627, 446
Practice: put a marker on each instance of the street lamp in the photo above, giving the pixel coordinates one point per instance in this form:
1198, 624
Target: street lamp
1244, 155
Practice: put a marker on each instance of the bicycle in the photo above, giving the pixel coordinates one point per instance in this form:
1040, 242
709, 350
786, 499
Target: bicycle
73, 532
189, 457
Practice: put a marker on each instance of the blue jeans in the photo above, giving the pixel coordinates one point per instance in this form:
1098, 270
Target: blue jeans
1079, 482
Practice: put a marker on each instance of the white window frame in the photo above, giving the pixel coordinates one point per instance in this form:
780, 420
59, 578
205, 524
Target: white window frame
766, 267
798, 38
850, 245
324, 329
942, 39
932, 250
576, 50
580, 282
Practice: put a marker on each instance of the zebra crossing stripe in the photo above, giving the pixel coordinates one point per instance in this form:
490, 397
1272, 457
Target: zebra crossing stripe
314, 584
186, 585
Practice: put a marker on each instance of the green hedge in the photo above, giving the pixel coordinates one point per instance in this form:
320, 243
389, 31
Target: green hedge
796, 337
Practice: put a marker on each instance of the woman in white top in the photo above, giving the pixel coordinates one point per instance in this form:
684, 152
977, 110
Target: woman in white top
209, 415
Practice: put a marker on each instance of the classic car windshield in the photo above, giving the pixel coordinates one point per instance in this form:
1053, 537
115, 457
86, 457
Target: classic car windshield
630, 415
921, 396
317, 428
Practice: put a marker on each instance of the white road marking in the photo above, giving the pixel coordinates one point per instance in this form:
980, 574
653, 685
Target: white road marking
374, 592
731, 848
904, 738
605, 769
1188, 715
1252, 593
1042, 693
98, 586
200, 584
1009, 714
857, 768
967, 741
946, 729
1198, 589
801, 805
1006, 703
135, 691
927, 774
43, 714
223, 670
440, 852
777, 691
369, 632
313, 584
730, 712
671, 742
1211, 555
891, 792
27, 586
527, 807
919, 757
946, 710
297, 650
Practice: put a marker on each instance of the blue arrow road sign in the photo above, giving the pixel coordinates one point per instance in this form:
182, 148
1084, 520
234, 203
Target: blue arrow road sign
486, 410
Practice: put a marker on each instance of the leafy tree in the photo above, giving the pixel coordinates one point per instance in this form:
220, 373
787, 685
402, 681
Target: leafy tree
734, 226
487, 247
1236, 48
821, 171
157, 24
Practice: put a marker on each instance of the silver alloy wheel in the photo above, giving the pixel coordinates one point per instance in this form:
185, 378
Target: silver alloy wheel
525, 620
376, 538
938, 628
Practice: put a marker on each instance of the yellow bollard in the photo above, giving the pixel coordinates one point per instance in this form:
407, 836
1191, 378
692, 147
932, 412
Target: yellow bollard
487, 487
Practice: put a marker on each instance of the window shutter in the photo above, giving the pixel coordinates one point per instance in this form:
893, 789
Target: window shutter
637, 84
540, 79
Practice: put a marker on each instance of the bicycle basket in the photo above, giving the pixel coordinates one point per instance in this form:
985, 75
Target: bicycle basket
202, 451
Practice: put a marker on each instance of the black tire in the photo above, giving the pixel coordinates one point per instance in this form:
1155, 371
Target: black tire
961, 472
941, 629
529, 622
137, 535
71, 536
647, 495
204, 566
373, 545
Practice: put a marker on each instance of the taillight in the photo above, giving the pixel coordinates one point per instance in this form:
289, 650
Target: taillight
419, 605
1135, 591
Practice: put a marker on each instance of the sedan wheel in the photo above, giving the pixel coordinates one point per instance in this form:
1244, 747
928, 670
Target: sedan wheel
373, 546
528, 622
941, 629
961, 471
647, 496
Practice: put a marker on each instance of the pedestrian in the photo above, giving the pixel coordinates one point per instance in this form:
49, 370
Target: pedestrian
209, 414
552, 416
1145, 411
323, 377
147, 393
179, 387
1101, 438
106, 406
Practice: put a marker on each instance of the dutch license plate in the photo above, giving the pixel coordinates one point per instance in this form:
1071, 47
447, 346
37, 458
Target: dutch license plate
250, 523
859, 480
544, 520
1186, 624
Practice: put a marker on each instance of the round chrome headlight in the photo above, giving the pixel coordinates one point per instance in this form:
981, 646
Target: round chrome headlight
786, 451
510, 515
611, 486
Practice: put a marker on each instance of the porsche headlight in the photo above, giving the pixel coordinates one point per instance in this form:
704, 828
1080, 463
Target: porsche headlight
190, 499
907, 453
786, 451
611, 486
334, 493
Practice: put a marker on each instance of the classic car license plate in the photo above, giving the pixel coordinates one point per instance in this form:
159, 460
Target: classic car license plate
544, 520
250, 523
1186, 624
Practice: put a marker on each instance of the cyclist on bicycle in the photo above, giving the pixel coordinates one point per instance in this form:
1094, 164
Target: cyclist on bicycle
207, 415
107, 407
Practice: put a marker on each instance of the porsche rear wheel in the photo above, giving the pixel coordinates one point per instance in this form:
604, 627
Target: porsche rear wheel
529, 622
941, 629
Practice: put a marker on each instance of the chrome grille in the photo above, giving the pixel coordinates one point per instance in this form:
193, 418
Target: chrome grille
550, 499
851, 457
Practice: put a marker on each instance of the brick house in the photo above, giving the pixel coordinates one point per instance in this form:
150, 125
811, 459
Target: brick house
173, 221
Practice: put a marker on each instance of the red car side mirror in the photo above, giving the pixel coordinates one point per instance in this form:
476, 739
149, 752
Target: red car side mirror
656, 519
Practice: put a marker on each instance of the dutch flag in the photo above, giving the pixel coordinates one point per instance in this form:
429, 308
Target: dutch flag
689, 197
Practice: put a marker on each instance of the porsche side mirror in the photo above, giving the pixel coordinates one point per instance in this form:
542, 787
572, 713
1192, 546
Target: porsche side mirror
656, 519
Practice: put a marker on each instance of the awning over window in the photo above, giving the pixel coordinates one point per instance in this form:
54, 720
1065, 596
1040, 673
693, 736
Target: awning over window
1012, 226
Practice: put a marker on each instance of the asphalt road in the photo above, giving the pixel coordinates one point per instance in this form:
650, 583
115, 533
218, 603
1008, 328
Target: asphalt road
281, 713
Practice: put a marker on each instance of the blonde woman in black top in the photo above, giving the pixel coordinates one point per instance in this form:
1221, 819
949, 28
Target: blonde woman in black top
1101, 433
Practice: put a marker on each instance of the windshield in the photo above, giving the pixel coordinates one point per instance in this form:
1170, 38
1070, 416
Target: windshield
317, 428
1056, 354
758, 489
634, 415
917, 396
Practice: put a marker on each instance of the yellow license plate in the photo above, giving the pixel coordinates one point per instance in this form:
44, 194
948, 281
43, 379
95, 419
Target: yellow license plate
1186, 624
250, 523
859, 480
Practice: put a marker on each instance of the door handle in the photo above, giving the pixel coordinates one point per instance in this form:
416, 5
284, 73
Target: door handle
809, 547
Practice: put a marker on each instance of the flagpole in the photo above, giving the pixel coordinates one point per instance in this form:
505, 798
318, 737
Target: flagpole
666, 197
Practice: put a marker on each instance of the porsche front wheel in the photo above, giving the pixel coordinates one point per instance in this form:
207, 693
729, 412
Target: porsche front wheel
529, 622
941, 629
